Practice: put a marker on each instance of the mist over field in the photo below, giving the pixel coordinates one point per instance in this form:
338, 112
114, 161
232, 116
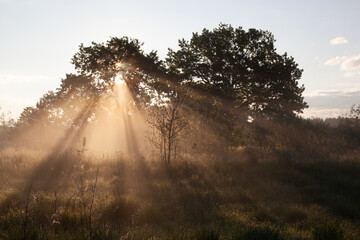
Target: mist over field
207, 143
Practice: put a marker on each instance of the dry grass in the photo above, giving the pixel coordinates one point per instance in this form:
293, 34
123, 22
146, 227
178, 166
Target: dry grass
248, 195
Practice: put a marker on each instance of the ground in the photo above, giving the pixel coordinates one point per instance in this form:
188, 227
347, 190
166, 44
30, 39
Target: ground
243, 194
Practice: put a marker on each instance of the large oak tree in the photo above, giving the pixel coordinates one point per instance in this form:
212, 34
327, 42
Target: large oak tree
241, 69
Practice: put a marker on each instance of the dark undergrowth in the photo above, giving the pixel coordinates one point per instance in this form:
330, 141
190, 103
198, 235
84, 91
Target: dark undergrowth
251, 194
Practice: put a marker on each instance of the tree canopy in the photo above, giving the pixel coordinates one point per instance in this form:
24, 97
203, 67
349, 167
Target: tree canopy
103, 63
227, 74
242, 68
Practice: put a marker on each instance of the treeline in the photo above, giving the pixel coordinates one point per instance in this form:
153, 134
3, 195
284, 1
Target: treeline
299, 137
222, 89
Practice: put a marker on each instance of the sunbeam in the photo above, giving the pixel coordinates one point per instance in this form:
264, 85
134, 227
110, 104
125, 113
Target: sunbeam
114, 130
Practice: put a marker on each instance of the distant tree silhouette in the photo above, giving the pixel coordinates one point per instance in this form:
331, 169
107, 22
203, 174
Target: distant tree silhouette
6, 125
241, 70
44, 112
355, 111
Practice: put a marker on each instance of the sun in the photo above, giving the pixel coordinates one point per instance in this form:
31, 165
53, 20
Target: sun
119, 80
118, 65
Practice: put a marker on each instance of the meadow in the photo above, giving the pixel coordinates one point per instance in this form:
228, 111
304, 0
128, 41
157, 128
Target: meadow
251, 192
205, 144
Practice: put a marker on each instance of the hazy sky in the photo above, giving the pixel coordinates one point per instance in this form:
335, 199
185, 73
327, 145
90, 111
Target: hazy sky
39, 37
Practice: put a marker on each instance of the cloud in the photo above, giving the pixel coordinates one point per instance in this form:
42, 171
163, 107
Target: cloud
346, 62
351, 63
351, 74
13, 79
338, 40
336, 60
312, 112
331, 103
339, 93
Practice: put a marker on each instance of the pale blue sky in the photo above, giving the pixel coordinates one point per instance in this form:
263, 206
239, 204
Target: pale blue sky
39, 37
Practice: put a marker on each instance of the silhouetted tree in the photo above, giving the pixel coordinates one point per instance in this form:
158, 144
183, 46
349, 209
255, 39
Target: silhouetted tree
44, 113
228, 75
100, 67
6, 125
169, 124
240, 69
355, 111
144, 74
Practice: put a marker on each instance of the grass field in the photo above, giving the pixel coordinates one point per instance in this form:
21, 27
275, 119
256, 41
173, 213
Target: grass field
245, 194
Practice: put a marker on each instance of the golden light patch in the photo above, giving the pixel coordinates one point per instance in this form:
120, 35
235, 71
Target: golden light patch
118, 65
119, 81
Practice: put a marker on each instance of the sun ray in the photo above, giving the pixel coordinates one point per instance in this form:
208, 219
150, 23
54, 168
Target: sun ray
116, 116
